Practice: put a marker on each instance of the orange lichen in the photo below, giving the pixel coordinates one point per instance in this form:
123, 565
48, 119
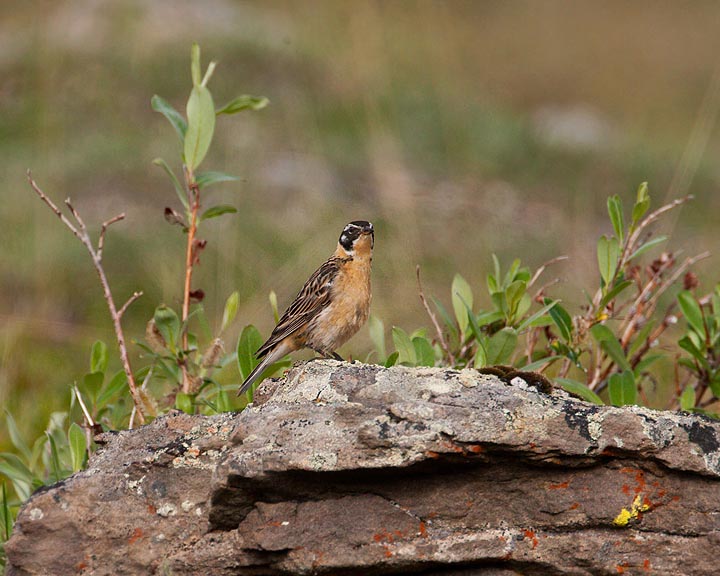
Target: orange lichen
422, 530
531, 535
560, 486
136, 535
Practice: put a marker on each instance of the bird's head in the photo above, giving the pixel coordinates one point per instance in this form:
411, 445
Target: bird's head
357, 238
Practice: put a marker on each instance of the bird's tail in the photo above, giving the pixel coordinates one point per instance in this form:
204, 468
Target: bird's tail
272, 356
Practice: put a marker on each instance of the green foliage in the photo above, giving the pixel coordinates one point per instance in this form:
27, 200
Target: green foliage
701, 341
181, 353
606, 349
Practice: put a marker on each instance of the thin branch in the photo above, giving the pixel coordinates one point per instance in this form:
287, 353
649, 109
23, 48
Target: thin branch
542, 268
82, 234
433, 318
679, 272
53, 206
88, 418
130, 300
103, 229
189, 263
649, 219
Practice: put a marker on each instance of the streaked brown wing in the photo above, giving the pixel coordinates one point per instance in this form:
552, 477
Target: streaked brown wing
310, 301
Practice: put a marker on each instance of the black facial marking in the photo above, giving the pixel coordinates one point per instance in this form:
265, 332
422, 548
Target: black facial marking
353, 231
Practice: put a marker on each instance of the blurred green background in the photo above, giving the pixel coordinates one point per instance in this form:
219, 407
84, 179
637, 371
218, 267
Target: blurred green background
459, 128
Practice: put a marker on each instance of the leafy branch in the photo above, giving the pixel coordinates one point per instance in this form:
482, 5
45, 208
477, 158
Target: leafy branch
196, 134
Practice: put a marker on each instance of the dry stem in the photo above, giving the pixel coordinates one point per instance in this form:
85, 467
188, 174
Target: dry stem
438, 330
81, 233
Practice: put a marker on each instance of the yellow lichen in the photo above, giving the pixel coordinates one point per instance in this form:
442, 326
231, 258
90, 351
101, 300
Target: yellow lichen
626, 515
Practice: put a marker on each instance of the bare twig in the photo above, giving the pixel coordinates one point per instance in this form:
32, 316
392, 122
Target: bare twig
53, 206
540, 270
130, 300
143, 387
88, 418
433, 318
103, 229
649, 219
81, 233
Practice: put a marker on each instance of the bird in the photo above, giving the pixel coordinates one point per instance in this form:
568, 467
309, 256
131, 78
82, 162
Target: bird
330, 308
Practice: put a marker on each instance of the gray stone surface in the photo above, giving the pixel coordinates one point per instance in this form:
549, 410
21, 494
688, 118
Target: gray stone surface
358, 469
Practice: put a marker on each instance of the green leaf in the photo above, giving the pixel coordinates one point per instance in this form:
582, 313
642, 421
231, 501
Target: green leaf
392, 360
540, 363
15, 435
22, 478
272, 297
450, 325
195, 64
687, 344
614, 293
561, 318
244, 102
377, 335
57, 473
615, 210
575, 387
484, 318
168, 324
481, 354
622, 389
92, 383
204, 179
461, 296
404, 346
687, 398
218, 210
423, 351
609, 342
512, 271
185, 403
496, 270
114, 387
173, 116
645, 363
98, 357
692, 312
248, 344
201, 125
222, 402
179, 190
640, 339
78, 446
230, 310
715, 385
530, 319
608, 252
642, 203
5, 518
514, 293
501, 346
645, 247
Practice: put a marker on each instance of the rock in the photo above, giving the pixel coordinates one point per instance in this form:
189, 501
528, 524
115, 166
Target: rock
357, 469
